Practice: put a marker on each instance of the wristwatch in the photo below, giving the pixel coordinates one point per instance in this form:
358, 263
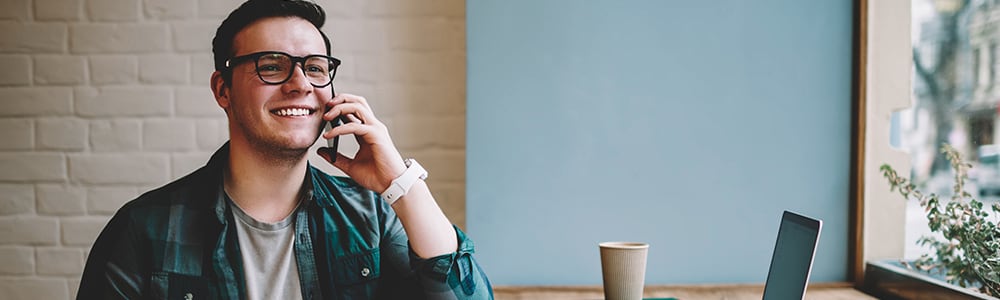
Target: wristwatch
401, 185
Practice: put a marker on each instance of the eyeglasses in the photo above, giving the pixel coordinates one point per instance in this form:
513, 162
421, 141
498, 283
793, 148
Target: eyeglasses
276, 67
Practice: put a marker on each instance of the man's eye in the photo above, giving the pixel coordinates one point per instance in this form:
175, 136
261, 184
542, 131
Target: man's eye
269, 68
316, 69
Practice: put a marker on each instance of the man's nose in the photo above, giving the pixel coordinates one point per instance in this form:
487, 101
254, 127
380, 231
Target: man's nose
298, 82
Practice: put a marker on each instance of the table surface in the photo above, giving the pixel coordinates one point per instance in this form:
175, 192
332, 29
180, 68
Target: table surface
820, 291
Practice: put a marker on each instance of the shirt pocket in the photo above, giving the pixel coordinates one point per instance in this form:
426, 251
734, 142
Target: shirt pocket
167, 285
356, 275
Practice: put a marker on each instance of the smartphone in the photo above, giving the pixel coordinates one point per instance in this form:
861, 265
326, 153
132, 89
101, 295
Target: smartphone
334, 142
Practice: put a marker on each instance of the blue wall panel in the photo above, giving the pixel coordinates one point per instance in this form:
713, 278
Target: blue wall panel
689, 125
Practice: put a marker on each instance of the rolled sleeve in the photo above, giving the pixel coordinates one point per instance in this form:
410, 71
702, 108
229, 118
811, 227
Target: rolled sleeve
454, 275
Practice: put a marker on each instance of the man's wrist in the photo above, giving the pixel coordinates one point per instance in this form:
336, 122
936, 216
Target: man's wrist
402, 184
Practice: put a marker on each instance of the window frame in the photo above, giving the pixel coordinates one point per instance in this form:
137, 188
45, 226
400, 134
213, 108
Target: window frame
882, 85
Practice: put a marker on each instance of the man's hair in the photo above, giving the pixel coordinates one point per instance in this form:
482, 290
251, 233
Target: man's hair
253, 10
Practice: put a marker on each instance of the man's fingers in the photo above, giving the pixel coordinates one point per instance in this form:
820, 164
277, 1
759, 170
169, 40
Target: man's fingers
349, 98
355, 128
353, 118
363, 110
360, 113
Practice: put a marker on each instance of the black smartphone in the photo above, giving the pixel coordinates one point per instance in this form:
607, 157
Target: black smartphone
334, 142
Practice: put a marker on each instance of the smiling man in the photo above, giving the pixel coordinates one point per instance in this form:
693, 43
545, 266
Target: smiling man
257, 221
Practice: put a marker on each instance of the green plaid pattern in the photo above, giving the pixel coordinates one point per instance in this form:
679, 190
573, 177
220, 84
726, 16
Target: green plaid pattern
176, 242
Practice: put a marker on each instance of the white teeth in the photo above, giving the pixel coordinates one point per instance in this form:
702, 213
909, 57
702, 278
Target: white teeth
292, 112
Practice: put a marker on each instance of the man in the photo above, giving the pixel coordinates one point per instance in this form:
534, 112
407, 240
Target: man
258, 222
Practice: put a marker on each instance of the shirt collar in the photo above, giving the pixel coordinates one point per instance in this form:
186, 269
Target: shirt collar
220, 161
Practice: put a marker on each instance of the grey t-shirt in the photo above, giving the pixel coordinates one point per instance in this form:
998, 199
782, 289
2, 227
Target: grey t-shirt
268, 250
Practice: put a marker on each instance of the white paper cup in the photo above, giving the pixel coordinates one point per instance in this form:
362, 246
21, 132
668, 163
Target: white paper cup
623, 265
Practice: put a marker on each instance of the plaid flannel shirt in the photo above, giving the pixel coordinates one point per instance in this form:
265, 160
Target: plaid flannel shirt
177, 242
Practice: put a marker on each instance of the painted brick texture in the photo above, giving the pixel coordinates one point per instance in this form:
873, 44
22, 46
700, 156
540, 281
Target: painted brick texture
106, 99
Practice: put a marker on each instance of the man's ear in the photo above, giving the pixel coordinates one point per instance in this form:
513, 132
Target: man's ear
220, 90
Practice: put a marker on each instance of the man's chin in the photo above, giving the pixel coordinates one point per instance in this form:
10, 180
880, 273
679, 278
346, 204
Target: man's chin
283, 149
298, 146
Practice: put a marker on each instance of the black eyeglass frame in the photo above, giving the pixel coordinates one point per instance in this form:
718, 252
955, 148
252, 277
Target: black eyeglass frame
296, 60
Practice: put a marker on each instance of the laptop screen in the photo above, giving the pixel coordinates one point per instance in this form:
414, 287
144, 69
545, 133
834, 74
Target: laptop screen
792, 258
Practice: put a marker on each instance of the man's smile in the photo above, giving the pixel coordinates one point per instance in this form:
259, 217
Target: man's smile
293, 111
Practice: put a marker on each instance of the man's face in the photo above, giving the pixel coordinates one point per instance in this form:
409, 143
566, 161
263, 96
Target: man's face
282, 118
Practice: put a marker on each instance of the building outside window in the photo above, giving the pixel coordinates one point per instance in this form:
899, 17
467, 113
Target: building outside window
955, 95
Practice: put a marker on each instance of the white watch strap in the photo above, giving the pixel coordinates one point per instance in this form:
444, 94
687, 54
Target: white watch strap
401, 185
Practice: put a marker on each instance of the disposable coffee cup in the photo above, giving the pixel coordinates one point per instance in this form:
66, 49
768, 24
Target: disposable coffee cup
623, 266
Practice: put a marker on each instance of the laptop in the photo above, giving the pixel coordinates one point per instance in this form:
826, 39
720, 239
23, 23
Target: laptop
792, 260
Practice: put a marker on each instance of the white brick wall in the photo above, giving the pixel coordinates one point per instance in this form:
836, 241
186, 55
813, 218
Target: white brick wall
113, 69
17, 260
15, 10
104, 201
29, 231
140, 101
20, 65
59, 261
60, 70
109, 98
61, 134
18, 37
32, 167
112, 10
119, 38
62, 200
36, 101
115, 135
17, 133
164, 69
17, 199
170, 9
168, 134
34, 287
58, 10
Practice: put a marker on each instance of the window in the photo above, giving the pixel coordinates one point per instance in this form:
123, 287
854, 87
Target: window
954, 102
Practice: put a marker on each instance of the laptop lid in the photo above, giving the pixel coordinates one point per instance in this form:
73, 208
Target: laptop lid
793, 255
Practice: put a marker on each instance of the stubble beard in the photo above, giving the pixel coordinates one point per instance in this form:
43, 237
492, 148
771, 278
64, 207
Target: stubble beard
274, 147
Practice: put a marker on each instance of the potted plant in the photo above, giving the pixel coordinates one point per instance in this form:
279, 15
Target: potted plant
968, 254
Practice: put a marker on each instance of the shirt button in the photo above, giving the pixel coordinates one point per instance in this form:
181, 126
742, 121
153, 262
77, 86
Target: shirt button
365, 272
